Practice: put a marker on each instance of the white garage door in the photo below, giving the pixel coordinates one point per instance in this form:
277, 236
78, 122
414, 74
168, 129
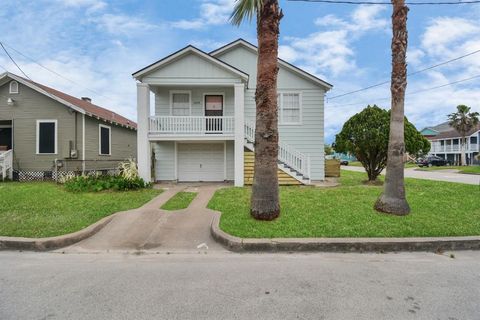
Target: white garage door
201, 162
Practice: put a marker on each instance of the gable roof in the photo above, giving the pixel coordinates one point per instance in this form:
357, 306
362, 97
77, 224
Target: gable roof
74, 103
193, 50
248, 45
452, 133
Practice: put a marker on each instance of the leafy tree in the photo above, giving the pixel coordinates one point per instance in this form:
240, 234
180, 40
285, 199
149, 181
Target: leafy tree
463, 121
366, 134
265, 202
393, 199
328, 150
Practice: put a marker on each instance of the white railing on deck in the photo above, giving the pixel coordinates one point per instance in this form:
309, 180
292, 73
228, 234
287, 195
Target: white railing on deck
471, 147
6, 163
286, 153
191, 125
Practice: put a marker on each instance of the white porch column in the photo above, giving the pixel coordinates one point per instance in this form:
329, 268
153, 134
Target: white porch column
239, 94
143, 144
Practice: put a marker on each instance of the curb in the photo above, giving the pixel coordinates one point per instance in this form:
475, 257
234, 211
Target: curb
435, 244
51, 243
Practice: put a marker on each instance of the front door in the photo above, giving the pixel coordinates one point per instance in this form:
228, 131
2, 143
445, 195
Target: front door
214, 108
5, 138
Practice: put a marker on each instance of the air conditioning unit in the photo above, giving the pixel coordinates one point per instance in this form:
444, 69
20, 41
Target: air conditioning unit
74, 154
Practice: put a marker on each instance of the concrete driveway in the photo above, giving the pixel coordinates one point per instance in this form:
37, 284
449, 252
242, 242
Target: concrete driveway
151, 229
437, 175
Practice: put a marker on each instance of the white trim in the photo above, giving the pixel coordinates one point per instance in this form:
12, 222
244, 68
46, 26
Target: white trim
224, 160
175, 161
280, 108
281, 62
239, 106
189, 92
10, 87
214, 94
38, 135
100, 126
183, 51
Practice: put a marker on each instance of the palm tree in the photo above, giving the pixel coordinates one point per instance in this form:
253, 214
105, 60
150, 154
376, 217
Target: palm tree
265, 203
463, 121
393, 198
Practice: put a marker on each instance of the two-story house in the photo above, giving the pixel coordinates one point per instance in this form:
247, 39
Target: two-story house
202, 127
446, 143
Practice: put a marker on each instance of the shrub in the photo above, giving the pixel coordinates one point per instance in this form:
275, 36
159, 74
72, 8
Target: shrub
95, 183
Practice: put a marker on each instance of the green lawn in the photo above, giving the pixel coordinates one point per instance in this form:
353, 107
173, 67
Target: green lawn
179, 201
438, 209
42, 209
462, 169
358, 164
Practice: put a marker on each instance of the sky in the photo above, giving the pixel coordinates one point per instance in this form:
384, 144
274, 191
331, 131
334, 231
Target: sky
98, 44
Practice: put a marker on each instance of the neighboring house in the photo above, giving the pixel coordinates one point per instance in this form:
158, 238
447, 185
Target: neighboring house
445, 142
39, 125
203, 126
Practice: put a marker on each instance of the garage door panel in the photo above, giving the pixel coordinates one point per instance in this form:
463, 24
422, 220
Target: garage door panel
200, 162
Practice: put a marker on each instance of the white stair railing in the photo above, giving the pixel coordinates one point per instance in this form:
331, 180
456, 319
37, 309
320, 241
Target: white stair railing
287, 155
6, 163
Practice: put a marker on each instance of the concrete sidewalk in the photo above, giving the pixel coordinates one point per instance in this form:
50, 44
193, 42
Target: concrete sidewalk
437, 175
150, 228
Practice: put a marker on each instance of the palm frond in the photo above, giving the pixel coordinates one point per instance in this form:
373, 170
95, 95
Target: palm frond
245, 9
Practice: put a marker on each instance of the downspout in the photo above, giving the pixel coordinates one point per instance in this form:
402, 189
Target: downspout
83, 143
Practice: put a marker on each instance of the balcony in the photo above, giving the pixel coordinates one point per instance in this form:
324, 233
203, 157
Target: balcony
194, 127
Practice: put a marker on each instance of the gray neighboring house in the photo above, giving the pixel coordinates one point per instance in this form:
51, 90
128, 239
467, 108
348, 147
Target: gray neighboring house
204, 121
39, 125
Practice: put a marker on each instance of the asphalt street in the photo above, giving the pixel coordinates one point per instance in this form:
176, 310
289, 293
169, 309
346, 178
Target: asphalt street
224, 285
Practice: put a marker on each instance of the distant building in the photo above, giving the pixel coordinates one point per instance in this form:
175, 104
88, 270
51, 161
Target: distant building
445, 142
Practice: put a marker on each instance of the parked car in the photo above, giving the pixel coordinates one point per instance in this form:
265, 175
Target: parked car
433, 161
344, 162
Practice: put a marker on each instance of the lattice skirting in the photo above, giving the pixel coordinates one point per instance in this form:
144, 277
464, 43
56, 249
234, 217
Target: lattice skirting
26, 176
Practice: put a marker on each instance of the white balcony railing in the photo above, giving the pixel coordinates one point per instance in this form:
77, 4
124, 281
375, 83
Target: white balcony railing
471, 147
6, 163
191, 125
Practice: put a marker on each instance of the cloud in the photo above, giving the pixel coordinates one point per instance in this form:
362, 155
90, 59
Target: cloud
91, 5
330, 50
212, 13
122, 24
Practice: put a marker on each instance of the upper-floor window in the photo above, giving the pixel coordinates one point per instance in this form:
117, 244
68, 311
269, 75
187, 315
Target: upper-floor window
180, 103
46, 136
13, 87
289, 108
104, 140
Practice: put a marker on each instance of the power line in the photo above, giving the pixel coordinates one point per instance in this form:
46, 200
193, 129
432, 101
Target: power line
410, 93
388, 3
8, 54
52, 71
409, 74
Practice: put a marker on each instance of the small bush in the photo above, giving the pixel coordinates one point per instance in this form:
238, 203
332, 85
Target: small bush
100, 183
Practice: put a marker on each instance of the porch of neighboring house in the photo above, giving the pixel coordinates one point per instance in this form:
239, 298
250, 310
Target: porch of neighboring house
6, 149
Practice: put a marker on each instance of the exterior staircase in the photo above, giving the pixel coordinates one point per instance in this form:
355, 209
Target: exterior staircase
6, 164
293, 166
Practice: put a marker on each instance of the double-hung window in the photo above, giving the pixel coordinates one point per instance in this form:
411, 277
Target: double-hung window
46, 136
105, 143
180, 103
289, 108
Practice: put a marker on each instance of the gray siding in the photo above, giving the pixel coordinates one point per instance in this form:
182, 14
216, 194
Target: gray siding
307, 137
162, 99
31, 106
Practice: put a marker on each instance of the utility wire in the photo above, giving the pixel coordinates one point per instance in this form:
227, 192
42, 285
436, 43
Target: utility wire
410, 93
8, 54
409, 74
52, 71
388, 3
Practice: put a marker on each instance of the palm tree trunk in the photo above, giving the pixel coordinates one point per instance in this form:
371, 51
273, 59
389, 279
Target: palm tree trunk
265, 203
463, 159
393, 198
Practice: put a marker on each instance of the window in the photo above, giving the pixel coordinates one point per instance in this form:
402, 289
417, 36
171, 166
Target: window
13, 87
289, 108
105, 140
46, 136
180, 103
